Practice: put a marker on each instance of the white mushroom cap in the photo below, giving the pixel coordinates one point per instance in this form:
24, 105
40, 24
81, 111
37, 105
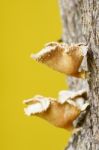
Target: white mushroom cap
42, 104
67, 94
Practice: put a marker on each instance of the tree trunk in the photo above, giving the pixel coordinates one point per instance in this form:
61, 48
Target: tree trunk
80, 20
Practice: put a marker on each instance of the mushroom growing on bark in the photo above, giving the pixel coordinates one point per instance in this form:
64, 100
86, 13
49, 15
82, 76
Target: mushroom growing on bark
60, 112
63, 58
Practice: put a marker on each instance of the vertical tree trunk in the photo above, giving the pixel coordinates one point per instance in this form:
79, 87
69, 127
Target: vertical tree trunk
81, 24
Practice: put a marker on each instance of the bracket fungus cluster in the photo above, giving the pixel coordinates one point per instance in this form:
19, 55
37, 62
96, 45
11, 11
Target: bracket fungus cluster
64, 110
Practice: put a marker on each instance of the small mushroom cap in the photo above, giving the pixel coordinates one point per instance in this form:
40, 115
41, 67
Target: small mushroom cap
40, 103
37, 104
62, 57
59, 113
64, 95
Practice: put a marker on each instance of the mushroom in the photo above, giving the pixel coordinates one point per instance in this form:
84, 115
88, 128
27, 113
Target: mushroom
60, 112
63, 58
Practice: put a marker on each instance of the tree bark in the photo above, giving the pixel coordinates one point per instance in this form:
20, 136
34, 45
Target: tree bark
80, 19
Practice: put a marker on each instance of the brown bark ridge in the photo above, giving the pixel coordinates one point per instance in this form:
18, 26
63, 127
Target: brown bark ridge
80, 19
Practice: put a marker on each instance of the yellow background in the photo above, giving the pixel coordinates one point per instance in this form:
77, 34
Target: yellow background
26, 25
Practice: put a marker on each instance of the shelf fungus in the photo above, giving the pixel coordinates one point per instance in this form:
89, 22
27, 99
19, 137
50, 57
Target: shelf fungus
60, 112
63, 58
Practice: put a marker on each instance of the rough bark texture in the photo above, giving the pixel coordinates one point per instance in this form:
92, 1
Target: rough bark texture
80, 20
